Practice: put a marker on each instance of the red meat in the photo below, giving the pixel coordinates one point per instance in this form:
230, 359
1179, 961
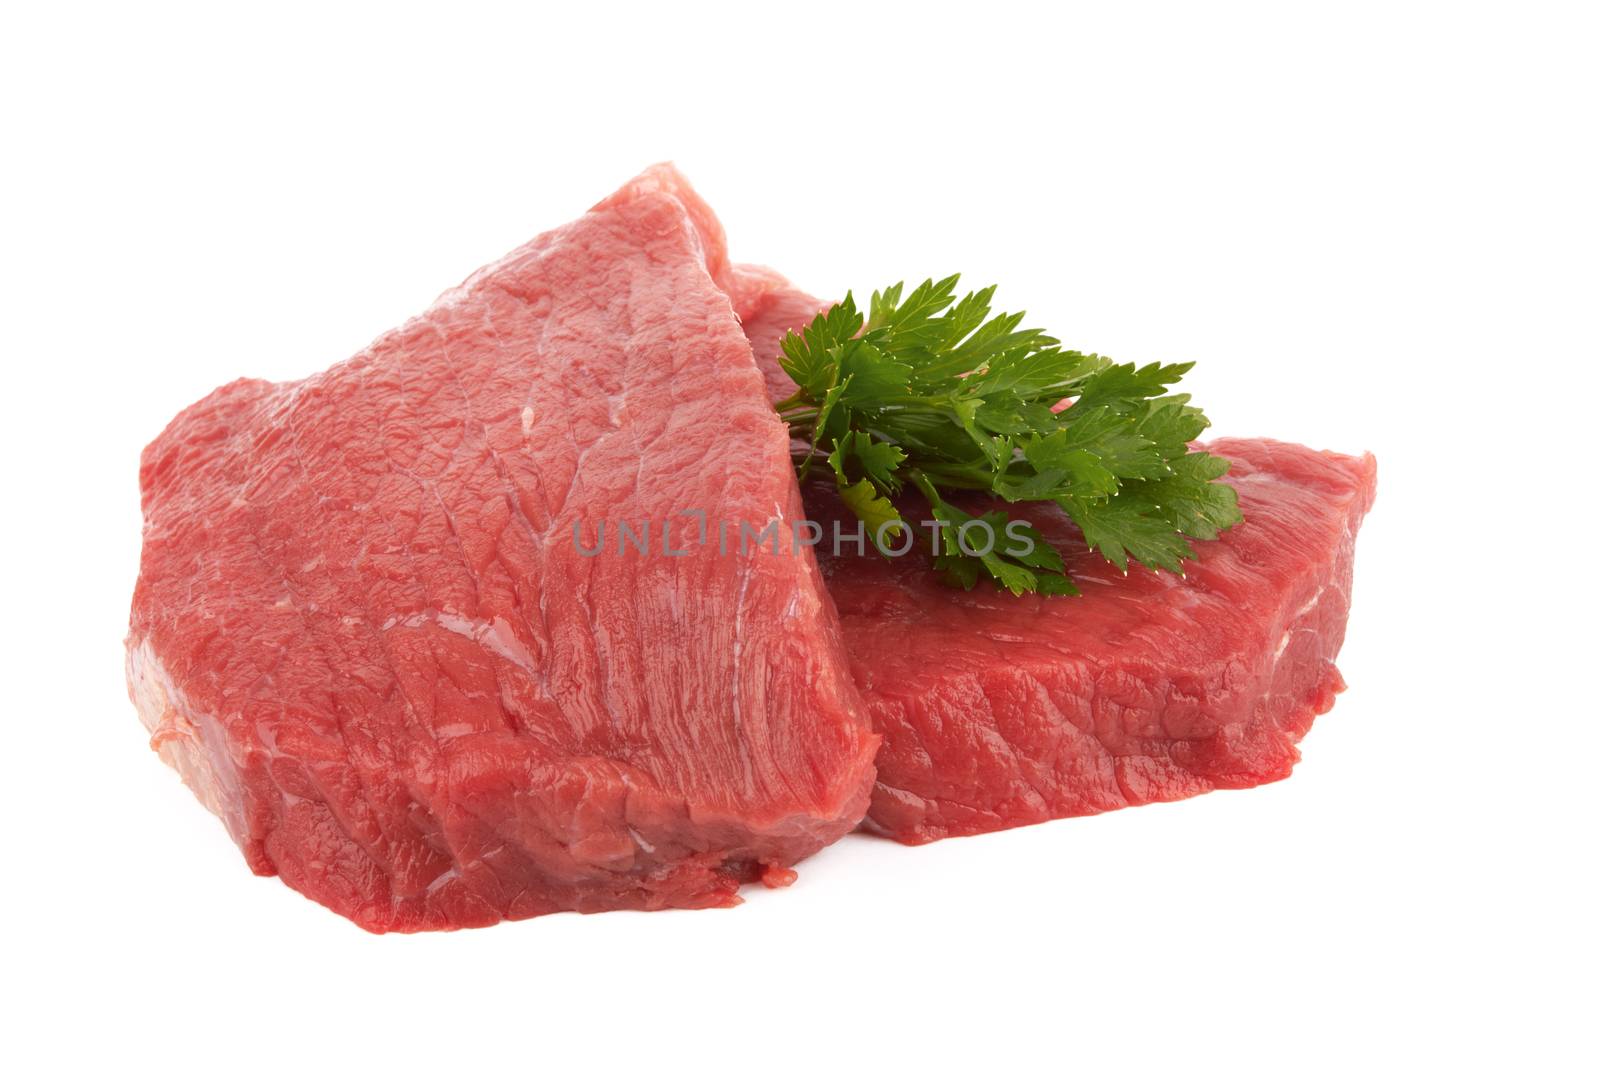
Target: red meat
364, 634
998, 711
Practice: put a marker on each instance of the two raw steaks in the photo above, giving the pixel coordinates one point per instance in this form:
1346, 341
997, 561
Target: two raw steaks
367, 638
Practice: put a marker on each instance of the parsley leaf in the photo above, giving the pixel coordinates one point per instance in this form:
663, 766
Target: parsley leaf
942, 394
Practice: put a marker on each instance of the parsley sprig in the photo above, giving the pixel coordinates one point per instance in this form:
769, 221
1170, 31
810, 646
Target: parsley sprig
938, 394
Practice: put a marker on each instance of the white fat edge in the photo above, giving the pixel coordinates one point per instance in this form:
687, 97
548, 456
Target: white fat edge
175, 734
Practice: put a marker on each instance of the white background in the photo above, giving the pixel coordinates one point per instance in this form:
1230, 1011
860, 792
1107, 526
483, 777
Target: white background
1374, 226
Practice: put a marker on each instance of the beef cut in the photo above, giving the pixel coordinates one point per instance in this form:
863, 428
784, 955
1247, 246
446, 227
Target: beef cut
364, 633
998, 711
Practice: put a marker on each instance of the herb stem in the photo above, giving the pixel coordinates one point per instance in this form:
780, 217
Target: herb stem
795, 400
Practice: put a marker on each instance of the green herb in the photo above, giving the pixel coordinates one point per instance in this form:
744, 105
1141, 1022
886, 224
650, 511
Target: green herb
936, 393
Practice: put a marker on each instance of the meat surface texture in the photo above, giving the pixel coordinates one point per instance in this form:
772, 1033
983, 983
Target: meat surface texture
365, 634
998, 711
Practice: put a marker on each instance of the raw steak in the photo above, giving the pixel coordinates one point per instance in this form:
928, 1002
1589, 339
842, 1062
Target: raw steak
365, 635
998, 711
